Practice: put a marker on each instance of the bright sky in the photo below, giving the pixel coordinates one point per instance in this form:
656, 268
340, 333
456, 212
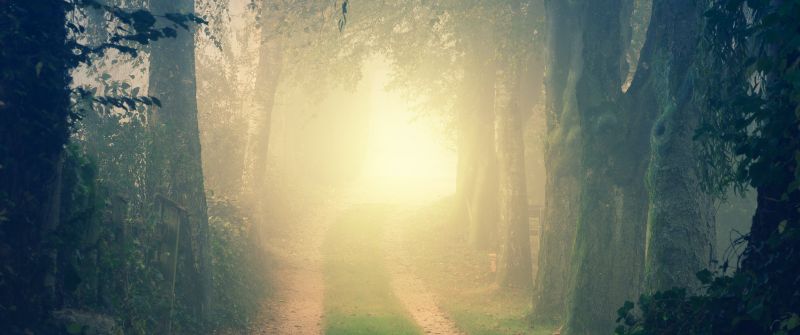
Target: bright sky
406, 157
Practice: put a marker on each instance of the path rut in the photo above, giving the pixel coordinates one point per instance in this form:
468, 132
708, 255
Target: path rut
409, 288
297, 305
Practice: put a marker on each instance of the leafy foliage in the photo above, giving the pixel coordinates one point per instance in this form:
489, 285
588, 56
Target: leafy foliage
137, 26
238, 266
56, 245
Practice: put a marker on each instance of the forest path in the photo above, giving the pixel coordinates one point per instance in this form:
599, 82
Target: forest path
297, 268
407, 286
297, 304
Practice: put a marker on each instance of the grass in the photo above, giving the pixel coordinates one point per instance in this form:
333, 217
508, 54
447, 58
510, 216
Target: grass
358, 295
459, 276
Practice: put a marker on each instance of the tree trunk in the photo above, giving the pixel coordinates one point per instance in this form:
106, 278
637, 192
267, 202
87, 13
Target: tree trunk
680, 227
269, 68
515, 266
562, 163
176, 152
609, 245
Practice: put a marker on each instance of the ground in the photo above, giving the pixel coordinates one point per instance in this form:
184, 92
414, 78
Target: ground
365, 268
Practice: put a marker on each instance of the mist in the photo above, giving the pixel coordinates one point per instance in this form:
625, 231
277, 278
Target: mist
399, 167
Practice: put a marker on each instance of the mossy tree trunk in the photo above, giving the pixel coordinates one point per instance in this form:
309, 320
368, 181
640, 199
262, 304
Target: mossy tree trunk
644, 134
562, 163
680, 226
176, 153
608, 254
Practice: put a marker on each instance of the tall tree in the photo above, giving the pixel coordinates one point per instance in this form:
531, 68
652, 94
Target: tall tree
562, 162
477, 184
515, 266
680, 223
515, 255
34, 123
176, 150
637, 141
750, 79
609, 246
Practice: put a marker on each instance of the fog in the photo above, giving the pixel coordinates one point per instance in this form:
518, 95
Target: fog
399, 167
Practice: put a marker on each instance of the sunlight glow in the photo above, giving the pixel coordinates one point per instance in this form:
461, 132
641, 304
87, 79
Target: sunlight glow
406, 158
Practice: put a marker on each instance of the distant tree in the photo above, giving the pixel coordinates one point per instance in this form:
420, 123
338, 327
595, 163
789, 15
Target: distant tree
515, 263
268, 76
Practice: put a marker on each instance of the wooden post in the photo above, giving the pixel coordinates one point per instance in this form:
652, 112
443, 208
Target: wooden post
172, 215
189, 269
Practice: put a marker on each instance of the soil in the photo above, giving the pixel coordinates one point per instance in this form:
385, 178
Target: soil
296, 307
416, 297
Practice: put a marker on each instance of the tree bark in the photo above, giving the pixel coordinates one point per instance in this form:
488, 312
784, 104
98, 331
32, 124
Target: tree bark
176, 152
608, 254
680, 226
645, 134
562, 163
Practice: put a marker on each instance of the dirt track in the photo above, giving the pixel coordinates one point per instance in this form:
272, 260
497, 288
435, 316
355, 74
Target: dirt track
296, 307
297, 304
416, 297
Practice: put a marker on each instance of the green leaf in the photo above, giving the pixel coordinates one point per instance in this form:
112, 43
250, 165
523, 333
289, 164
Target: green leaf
792, 322
74, 328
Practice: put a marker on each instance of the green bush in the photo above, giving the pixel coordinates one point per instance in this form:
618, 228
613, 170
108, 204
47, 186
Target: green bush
238, 265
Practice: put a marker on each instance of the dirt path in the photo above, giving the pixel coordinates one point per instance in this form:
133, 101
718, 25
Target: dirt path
416, 297
296, 307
